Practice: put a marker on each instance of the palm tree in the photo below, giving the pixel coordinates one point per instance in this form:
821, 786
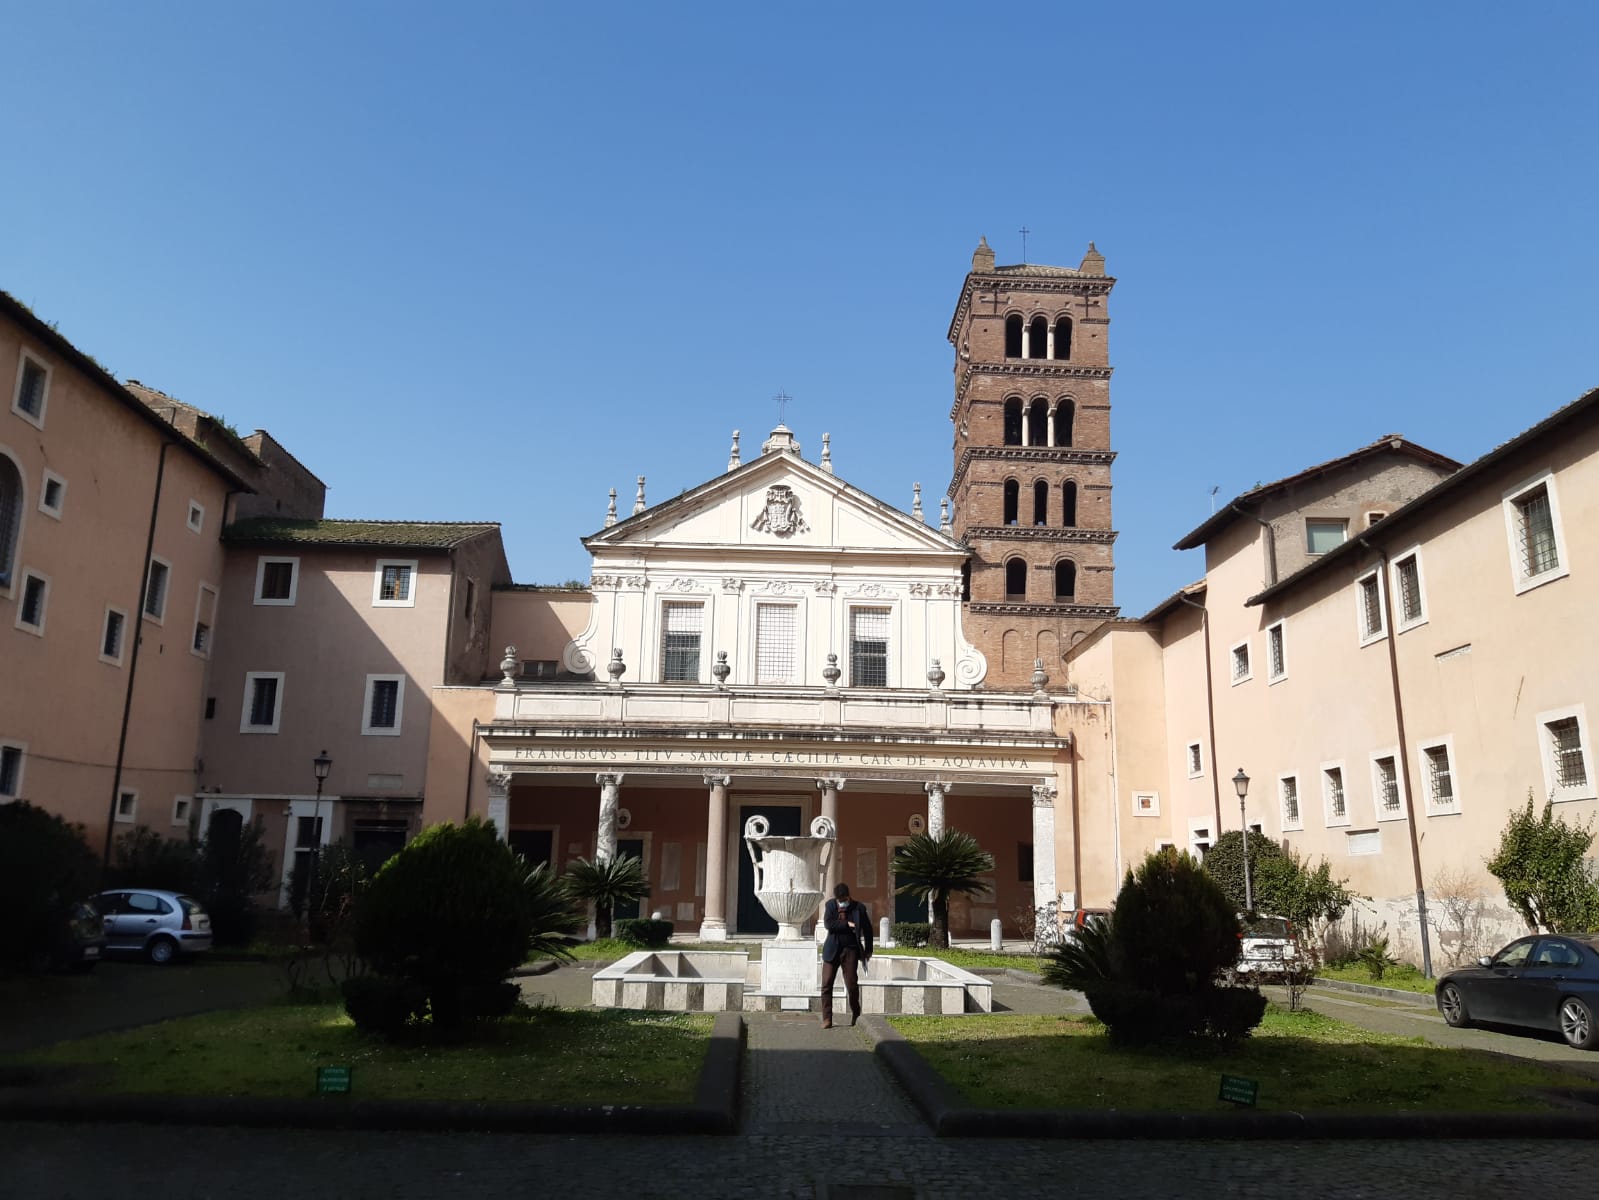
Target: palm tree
553, 921
1082, 959
933, 868
605, 883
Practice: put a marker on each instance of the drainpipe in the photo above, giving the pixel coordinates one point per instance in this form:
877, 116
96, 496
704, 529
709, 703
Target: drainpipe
133, 657
1210, 717
471, 768
1404, 756
1271, 542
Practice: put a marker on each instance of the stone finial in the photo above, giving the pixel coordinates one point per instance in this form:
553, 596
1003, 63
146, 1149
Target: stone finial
827, 453
509, 666
916, 501
943, 516
733, 459
1093, 262
721, 670
638, 502
982, 257
610, 510
1040, 676
935, 675
616, 668
831, 672
782, 441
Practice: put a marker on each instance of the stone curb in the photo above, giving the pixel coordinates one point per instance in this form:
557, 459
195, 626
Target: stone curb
1372, 989
949, 1115
714, 1111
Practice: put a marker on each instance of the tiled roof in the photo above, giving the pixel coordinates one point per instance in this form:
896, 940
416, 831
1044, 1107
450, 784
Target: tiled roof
1038, 269
410, 535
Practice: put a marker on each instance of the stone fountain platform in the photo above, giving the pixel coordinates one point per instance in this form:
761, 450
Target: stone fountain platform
727, 981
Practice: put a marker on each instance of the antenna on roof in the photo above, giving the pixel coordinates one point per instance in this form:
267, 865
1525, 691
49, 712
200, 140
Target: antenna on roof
1213, 492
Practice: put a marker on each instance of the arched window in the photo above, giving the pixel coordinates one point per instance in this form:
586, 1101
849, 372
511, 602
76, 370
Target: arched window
1063, 338
1038, 337
1013, 337
1015, 579
1013, 421
10, 518
1012, 501
966, 581
1065, 580
1040, 503
1065, 412
1038, 423
1068, 504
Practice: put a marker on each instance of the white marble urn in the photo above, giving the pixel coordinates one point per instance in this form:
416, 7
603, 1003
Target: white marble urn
789, 871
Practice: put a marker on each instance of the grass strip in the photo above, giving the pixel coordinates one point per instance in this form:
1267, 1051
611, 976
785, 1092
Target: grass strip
1403, 978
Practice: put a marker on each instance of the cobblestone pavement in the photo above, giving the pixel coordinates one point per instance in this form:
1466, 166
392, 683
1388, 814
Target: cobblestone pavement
62, 1162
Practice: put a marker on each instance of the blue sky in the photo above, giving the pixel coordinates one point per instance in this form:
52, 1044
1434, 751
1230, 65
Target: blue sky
487, 261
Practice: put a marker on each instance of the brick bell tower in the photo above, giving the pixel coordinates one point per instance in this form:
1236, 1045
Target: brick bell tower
1031, 486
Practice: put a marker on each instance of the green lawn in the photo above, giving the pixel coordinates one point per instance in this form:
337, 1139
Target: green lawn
552, 1056
1404, 977
967, 959
1303, 1062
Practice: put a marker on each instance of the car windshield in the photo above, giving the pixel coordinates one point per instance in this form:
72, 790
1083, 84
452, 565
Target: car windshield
1270, 927
191, 906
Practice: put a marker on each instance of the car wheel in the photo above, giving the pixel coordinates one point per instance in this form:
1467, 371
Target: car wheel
1577, 1024
1453, 1005
162, 951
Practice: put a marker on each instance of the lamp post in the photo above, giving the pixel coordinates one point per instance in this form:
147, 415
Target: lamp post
1241, 784
321, 764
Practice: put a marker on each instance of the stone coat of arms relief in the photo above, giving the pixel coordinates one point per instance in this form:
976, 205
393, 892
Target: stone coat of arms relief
781, 516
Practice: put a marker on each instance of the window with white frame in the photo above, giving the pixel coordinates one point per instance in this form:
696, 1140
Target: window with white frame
1567, 755
32, 394
394, 584
196, 520
1288, 793
35, 598
868, 647
1333, 798
776, 643
1438, 776
263, 702
1196, 760
1199, 842
10, 518
1239, 656
13, 755
1276, 653
1146, 804
1322, 535
111, 636
155, 589
127, 806
1412, 604
205, 617
182, 809
276, 580
1537, 545
52, 494
1368, 597
682, 625
1386, 789
384, 705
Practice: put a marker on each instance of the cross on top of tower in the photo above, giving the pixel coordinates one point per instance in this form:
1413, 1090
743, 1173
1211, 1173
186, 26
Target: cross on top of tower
782, 399
1024, 231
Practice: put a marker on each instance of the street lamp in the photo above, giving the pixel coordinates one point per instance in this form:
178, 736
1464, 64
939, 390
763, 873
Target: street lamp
1241, 784
321, 764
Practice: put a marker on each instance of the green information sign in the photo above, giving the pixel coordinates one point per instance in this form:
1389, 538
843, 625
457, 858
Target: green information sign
332, 1081
1238, 1090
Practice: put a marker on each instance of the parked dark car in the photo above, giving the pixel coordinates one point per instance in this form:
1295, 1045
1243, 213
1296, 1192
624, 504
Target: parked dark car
162, 926
1546, 982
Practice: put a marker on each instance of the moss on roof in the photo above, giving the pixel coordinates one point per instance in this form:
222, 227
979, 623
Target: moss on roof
412, 535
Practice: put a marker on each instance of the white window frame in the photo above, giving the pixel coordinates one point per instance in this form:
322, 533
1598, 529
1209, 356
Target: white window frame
129, 814
410, 591
249, 696
8, 585
122, 640
1525, 583
367, 728
1146, 804
797, 674
45, 480
1332, 819
1232, 663
1445, 743
294, 580
1278, 628
211, 628
1375, 577
1546, 754
1382, 814
1193, 754
702, 673
195, 524
25, 574
1401, 622
1297, 821
1196, 827
23, 359
182, 808
22, 768
160, 618
891, 611
1343, 527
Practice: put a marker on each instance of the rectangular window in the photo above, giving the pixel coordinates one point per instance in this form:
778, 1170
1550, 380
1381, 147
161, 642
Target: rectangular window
30, 613
1322, 536
196, 516
1332, 786
868, 647
1532, 517
681, 626
33, 391
1240, 661
469, 605
111, 636
1196, 761
1440, 777
276, 580
1199, 841
1146, 804
1565, 744
1277, 663
182, 806
1369, 592
52, 495
205, 615
385, 703
155, 591
1288, 788
1407, 583
394, 585
263, 702
11, 756
1386, 778
127, 806
775, 643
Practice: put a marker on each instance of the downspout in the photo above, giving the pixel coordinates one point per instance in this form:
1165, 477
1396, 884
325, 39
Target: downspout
1404, 756
471, 765
1271, 542
133, 657
1210, 715
1115, 813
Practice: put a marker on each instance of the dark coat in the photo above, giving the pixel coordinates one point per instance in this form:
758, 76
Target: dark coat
840, 937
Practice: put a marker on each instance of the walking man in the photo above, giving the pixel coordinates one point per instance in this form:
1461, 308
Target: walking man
848, 945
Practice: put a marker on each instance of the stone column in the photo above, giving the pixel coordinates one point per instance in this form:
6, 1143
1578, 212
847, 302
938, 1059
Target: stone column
936, 791
499, 801
1027, 345
830, 788
1044, 891
610, 802
714, 926
1049, 341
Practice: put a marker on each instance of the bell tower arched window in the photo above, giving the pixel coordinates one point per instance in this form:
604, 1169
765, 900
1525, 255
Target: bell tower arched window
10, 518
1065, 412
1015, 579
1012, 501
1065, 580
1013, 337
1038, 423
1013, 421
1040, 503
1038, 337
1063, 338
1068, 504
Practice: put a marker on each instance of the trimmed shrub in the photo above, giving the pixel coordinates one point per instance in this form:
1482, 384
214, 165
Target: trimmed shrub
383, 1006
1233, 1012
910, 933
143, 858
46, 867
640, 931
1139, 1017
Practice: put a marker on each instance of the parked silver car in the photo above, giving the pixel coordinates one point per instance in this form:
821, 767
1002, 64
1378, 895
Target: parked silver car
1267, 948
160, 925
